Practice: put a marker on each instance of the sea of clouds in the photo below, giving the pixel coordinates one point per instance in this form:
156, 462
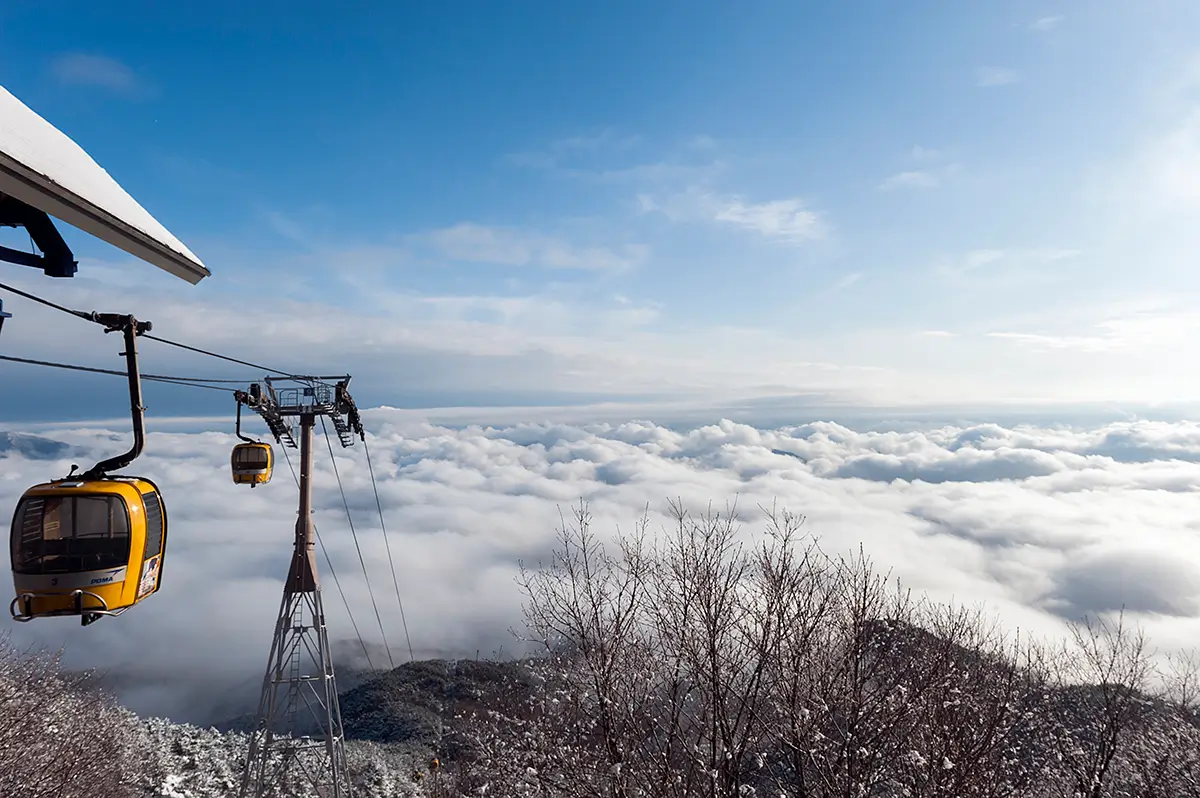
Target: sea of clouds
1039, 524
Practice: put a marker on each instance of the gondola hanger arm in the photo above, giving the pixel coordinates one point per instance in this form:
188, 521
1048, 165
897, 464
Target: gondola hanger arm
131, 328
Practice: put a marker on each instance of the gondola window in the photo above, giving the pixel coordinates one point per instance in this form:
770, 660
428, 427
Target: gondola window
70, 534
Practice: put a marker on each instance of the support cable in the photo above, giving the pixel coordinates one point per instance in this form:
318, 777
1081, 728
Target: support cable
45, 302
332, 572
395, 581
214, 354
354, 535
89, 317
193, 382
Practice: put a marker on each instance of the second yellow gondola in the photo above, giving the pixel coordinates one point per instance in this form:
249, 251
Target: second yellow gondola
251, 463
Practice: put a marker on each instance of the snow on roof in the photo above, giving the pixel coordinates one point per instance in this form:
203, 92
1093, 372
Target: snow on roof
41, 166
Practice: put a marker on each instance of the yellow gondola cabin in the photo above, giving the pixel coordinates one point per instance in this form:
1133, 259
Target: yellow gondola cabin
252, 463
87, 547
92, 545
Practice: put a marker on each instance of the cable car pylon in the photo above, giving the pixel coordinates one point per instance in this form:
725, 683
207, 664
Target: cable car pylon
298, 736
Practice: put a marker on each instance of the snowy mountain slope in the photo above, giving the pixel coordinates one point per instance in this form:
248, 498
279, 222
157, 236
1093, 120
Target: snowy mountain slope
33, 446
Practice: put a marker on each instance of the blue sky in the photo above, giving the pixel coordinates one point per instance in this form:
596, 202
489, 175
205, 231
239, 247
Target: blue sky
559, 202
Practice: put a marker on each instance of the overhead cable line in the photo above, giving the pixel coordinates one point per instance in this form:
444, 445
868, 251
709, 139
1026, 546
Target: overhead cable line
395, 581
358, 548
332, 572
214, 354
192, 382
91, 317
45, 302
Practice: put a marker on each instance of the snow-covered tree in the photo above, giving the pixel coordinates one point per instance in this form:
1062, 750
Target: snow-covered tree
60, 737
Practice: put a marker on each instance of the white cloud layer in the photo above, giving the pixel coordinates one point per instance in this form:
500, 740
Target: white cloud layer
1037, 523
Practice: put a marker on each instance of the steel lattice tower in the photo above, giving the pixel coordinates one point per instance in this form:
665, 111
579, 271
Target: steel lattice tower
297, 747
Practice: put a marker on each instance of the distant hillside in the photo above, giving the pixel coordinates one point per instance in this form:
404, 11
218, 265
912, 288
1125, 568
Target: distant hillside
417, 702
422, 703
33, 446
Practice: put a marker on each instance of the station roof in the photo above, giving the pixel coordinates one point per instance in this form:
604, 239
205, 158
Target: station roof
44, 168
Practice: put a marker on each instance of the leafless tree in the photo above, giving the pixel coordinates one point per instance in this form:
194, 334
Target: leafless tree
880, 694
719, 614
588, 612
59, 736
1101, 715
1181, 679
694, 663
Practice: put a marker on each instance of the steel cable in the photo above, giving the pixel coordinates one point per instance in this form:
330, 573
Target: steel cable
395, 581
358, 548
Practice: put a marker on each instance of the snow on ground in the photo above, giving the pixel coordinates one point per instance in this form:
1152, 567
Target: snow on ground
192, 762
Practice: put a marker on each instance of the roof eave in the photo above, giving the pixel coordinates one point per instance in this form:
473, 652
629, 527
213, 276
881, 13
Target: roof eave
40, 192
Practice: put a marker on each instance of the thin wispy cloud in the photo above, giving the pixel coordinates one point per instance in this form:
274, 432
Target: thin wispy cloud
606, 158
658, 172
988, 77
1082, 343
289, 228
971, 262
83, 69
787, 220
515, 247
561, 150
934, 170
1131, 333
915, 179
848, 280
979, 260
1046, 23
